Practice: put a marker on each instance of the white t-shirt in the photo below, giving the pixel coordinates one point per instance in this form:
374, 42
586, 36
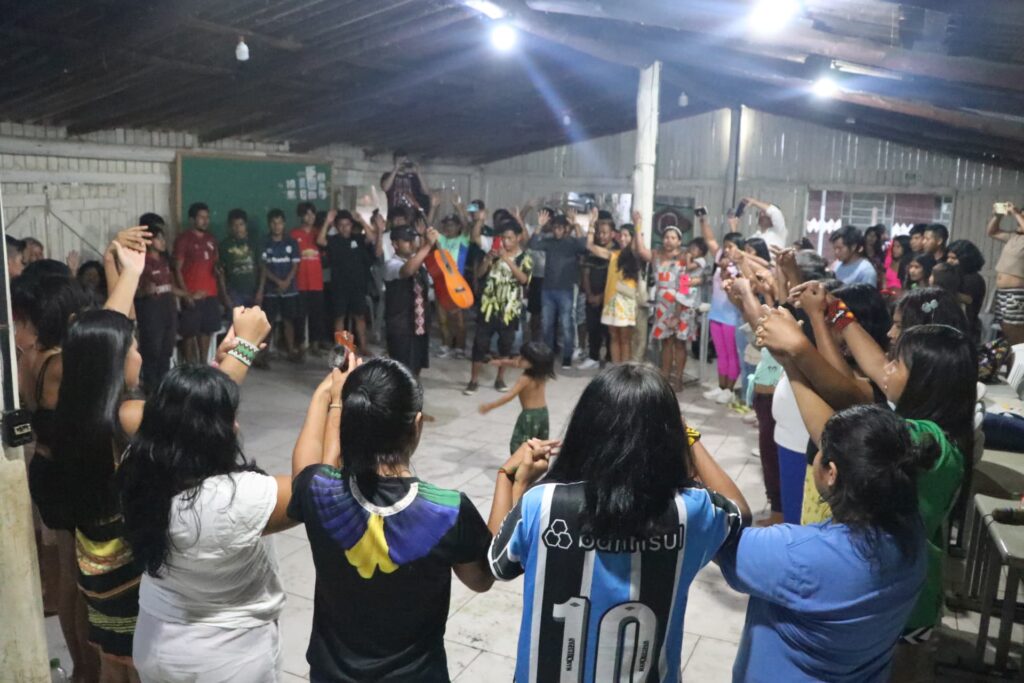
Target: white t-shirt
774, 236
220, 571
790, 431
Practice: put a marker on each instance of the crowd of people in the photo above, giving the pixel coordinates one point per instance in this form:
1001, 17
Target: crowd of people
859, 374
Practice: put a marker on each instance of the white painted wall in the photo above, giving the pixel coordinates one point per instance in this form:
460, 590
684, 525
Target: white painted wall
74, 193
780, 160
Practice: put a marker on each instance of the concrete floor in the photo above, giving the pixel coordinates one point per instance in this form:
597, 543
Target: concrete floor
461, 450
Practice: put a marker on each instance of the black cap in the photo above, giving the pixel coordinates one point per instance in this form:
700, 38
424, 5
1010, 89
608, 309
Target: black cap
404, 232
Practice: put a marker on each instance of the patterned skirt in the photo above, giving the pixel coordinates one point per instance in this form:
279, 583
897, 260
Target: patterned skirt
109, 579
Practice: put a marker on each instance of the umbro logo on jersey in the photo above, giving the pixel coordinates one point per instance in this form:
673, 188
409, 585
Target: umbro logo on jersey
558, 536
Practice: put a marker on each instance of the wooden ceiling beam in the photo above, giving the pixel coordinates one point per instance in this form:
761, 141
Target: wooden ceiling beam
286, 44
807, 40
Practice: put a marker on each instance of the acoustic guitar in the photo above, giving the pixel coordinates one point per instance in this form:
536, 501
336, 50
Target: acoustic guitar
451, 288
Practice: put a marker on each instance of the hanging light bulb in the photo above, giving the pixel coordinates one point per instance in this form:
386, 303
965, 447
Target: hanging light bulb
242, 50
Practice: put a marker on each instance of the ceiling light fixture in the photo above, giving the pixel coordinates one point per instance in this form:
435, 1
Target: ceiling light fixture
242, 50
825, 87
771, 16
504, 37
486, 8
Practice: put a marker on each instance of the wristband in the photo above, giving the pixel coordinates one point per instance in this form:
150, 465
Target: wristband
247, 344
240, 358
243, 351
692, 436
838, 315
334, 405
511, 475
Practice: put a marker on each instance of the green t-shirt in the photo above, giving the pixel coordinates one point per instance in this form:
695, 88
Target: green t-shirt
503, 295
238, 258
936, 494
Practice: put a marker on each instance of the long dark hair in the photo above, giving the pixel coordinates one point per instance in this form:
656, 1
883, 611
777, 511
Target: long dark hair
58, 300
968, 255
380, 400
759, 247
942, 384
905, 257
626, 441
866, 302
91, 391
927, 262
187, 434
629, 262
930, 306
875, 490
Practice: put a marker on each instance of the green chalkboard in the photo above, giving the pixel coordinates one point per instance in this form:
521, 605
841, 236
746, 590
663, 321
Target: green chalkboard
255, 184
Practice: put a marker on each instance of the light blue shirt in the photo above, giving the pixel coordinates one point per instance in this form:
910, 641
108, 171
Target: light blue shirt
819, 609
858, 272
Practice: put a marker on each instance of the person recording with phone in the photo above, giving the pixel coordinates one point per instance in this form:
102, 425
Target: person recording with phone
771, 224
1009, 302
404, 186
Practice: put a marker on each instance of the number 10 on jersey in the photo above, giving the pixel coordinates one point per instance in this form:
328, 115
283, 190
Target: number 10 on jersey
625, 641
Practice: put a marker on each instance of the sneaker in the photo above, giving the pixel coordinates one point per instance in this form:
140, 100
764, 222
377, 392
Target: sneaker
755, 453
470, 389
444, 352
459, 354
579, 353
724, 396
567, 366
750, 418
739, 407
712, 394
500, 386
588, 364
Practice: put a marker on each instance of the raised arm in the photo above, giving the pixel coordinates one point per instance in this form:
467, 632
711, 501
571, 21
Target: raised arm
321, 237
994, 231
410, 267
132, 263
869, 355
709, 235
314, 446
250, 325
595, 249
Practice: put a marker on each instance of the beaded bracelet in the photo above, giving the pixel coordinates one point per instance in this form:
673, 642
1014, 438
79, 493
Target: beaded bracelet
692, 435
240, 358
247, 344
839, 315
247, 352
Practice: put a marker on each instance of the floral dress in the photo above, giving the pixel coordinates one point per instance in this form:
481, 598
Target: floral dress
676, 302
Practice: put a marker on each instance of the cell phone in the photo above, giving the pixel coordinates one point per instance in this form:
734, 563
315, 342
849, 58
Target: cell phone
740, 208
473, 206
1000, 208
700, 211
344, 342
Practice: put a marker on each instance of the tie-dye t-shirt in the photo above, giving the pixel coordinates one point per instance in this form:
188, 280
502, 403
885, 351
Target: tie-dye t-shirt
383, 562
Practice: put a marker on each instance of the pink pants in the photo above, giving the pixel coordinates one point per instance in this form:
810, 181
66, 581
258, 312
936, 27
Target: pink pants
724, 338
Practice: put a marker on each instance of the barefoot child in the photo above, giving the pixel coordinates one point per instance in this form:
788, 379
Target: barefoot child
538, 364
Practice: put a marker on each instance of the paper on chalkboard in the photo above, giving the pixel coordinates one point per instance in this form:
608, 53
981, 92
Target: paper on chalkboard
302, 183
322, 192
290, 183
303, 194
321, 178
291, 194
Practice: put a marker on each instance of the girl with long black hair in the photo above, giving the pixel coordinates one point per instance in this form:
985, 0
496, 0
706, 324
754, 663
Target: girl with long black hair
97, 417
385, 543
195, 513
621, 290
828, 600
631, 509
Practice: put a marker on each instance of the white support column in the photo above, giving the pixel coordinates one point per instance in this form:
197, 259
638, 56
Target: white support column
647, 98
22, 638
